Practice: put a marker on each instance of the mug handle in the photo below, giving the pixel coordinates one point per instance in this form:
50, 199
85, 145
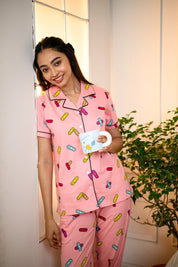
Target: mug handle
108, 136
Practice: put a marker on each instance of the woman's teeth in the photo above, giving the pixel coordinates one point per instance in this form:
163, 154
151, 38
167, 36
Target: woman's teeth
59, 78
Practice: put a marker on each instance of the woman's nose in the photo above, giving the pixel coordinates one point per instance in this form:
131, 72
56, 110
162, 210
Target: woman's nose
53, 71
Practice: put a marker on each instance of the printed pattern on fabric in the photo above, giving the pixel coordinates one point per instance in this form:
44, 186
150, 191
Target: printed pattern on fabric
83, 182
108, 224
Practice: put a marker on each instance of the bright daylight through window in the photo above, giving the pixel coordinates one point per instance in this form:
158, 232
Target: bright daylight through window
66, 19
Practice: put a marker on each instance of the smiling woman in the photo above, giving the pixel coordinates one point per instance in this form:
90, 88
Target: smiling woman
90, 188
67, 20
53, 59
55, 64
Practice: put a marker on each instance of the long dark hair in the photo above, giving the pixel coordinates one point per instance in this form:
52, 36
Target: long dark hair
57, 44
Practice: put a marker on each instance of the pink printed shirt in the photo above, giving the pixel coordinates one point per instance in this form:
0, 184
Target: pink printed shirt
84, 182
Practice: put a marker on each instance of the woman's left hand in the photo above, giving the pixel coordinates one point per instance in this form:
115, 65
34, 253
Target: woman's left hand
116, 144
103, 139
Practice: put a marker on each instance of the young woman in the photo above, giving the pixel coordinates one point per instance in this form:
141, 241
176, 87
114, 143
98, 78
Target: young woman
92, 190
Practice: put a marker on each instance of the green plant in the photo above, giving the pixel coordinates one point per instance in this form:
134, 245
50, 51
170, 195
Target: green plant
152, 156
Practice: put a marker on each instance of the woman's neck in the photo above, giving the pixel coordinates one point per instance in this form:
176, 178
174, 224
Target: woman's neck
72, 91
73, 88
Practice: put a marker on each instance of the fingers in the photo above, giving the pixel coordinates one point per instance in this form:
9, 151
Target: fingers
54, 241
53, 235
102, 139
56, 237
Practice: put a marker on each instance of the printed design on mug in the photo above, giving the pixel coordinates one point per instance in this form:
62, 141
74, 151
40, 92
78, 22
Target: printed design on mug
89, 141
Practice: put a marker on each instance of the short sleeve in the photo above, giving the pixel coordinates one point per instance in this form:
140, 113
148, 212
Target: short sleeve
111, 116
42, 127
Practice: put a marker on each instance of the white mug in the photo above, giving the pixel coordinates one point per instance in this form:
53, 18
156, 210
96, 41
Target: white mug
89, 141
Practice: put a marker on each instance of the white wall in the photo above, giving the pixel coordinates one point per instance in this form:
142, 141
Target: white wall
99, 42
135, 68
169, 78
18, 172
141, 38
144, 57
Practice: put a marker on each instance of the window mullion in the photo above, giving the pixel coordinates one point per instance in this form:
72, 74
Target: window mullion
65, 26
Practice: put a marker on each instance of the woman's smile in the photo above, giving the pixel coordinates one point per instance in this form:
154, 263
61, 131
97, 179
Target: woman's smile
56, 68
59, 79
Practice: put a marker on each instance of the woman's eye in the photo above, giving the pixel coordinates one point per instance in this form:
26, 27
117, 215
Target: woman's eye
45, 70
57, 63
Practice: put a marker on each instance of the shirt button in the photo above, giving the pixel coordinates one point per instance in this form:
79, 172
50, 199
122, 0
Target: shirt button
90, 186
80, 126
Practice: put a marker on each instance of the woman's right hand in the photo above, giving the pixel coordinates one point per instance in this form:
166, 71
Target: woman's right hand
53, 234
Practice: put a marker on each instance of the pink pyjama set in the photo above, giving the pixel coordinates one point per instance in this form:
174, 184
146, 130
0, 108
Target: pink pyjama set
92, 189
109, 225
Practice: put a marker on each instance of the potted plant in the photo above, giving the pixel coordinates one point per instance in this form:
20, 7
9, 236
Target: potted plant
151, 154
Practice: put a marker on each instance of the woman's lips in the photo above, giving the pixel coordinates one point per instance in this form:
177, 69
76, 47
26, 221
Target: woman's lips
59, 79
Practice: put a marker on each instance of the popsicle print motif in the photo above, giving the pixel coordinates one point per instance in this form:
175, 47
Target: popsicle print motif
57, 103
82, 195
108, 184
59, 150
119, 232
84, 103
64, 232
87, 157
68, 164
84, 261
99, 122
43, 104
45, 123
93, 173
58, 166
68, 263
72, 148
87, 86
79, 246
83, 111
49, 121
101, 108
118, 217
73, 130
56, 93
110, 262
100, 200
64, 116
74, 180
110, 123
107, 94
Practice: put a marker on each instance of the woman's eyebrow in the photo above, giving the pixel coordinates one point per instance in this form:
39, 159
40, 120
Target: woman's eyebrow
54, 59
50, 62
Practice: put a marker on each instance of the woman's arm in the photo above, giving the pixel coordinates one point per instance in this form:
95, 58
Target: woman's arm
45, 174
116, 144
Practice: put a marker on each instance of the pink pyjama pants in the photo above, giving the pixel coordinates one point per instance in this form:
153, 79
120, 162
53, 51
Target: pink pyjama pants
106, 227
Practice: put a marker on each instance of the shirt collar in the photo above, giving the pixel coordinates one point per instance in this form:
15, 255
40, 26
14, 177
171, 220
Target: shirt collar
56, 94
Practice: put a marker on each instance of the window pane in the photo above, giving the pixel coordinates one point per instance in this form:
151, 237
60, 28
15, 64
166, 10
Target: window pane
54, 3
77, 35
77, 7
48, 22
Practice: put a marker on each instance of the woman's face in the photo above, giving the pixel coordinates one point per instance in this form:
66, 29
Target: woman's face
55, 67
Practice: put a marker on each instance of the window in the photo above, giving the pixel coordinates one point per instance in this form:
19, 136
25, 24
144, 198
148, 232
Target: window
67, 19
